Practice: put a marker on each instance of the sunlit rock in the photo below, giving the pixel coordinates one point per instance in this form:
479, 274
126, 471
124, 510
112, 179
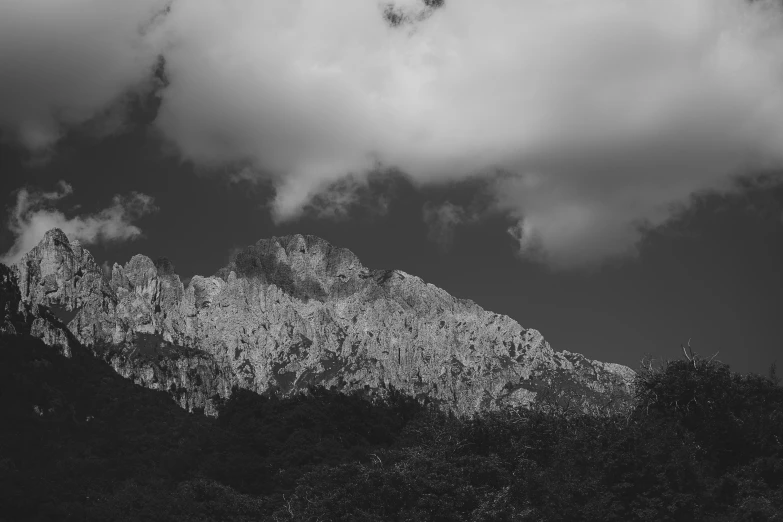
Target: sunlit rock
294, 311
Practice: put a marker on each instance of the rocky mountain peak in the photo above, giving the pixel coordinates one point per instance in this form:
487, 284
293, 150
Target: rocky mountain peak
294, 311
57, 271
140, 270
305, 267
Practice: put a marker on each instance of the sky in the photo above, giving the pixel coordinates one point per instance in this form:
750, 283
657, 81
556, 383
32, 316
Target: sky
607, 172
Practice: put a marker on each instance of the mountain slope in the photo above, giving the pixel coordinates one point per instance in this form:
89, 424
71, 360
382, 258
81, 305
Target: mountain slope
80, 443
295, 311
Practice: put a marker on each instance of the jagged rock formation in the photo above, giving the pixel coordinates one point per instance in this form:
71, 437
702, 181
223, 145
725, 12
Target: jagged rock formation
291, 312
13, 319
23, 317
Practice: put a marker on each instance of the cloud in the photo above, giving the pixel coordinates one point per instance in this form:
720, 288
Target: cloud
601, 115
590, 119
368, 194
33, 216
64, 63
442, 219
336, 200
106, 269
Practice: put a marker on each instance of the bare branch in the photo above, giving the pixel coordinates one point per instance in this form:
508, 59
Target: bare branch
691, 357
685, 353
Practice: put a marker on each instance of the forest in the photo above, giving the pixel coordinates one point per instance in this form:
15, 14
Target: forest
80, 443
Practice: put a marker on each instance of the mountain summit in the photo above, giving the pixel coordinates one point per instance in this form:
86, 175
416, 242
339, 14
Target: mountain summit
288, 313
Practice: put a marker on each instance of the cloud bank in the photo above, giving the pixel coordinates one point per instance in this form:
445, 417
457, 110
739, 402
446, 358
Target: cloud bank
64, 63
588, 119
33, 215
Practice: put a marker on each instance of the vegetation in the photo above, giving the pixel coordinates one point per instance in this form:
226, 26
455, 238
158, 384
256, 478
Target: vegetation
79, 442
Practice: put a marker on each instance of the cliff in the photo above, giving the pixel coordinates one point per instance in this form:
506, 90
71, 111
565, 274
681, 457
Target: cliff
292, 312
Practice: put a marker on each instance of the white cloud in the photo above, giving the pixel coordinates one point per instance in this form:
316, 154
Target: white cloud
66, 62
442, 219
33, 216
339, 200
602, 114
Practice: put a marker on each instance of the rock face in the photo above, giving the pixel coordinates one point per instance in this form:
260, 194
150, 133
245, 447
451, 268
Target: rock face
13, 318
291, 312
25, 317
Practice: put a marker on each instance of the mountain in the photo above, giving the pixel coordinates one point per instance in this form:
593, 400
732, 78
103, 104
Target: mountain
80, 442
289, 313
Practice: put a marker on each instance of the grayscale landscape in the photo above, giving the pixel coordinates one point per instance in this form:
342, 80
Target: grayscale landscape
391, 260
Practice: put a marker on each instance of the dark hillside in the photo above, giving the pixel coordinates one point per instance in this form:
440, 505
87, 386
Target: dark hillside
79, 442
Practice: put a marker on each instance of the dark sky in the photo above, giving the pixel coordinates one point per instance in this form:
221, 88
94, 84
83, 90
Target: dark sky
609, 175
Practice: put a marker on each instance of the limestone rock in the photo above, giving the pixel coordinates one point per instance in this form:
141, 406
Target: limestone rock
14, 319
294, 311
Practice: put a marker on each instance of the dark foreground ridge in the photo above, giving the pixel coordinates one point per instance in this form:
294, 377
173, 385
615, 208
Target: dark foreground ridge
80, 443
294, 312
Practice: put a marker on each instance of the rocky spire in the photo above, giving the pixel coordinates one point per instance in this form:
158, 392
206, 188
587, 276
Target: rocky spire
295, 311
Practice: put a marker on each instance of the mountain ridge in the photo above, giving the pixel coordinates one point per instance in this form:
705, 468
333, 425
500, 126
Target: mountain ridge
291, 312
